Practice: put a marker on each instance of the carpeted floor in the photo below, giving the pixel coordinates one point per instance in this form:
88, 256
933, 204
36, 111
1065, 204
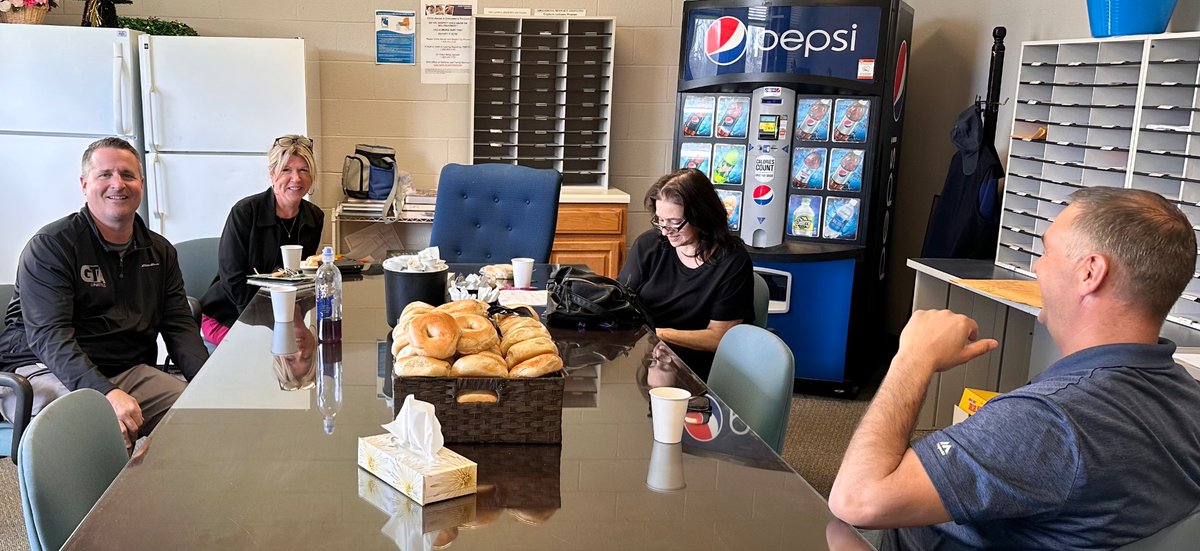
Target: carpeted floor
818, 432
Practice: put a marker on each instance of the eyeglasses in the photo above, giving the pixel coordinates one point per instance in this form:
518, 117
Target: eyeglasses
669, 226
285, 141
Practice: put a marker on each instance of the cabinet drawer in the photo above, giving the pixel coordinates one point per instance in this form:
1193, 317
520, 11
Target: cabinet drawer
591, 219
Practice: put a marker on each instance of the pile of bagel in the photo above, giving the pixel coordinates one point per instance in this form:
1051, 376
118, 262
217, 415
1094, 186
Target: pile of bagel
457, 339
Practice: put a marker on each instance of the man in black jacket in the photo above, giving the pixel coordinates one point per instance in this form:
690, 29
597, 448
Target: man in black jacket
93, 292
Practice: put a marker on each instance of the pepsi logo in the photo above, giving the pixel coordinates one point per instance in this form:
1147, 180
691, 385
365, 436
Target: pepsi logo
763, 195
900, 82
725, 41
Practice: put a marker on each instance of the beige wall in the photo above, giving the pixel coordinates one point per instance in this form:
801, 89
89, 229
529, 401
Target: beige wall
428, 124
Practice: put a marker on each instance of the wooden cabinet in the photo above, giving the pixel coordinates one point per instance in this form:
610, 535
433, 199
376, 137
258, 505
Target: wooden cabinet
592, 234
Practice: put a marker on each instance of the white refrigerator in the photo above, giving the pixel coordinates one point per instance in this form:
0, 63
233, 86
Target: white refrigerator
211, 108
67, 87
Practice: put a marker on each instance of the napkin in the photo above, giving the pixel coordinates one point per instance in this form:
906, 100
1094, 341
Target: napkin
417, 430
472, 286
426, 260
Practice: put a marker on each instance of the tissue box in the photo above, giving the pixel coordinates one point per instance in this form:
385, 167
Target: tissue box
451, 475
527, 411
973, 399
433, 517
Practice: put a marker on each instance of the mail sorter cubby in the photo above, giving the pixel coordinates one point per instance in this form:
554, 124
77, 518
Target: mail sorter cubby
541, 95
1108, 112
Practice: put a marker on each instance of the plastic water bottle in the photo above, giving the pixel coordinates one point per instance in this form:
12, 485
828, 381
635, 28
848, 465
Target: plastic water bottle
804, 219
329, 384
329, 299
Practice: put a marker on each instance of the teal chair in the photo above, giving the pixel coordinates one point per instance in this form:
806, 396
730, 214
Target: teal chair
753, 372
72, 451
1181, 536
762, 301
10, 431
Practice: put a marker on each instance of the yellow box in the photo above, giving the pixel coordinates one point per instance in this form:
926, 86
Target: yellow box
973, 399
451, 475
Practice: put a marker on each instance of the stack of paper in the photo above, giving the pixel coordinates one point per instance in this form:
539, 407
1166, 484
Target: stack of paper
418, 204
363, 207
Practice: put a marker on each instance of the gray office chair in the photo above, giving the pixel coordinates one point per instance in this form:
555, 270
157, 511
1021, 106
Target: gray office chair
72, 451
1181, 536
11, 431
762, 300
198, 264
753, 372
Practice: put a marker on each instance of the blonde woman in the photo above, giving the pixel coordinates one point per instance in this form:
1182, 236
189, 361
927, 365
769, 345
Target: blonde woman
257, 226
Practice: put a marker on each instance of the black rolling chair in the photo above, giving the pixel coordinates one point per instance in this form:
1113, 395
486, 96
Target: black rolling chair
11, 431
491, 213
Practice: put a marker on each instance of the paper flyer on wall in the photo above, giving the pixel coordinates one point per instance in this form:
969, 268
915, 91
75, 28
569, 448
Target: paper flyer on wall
812, 119
804, 216
447, 42
395, 37
841, 218
698, 116
695, 155
845, 169
808, 167
729, 163
733, 115
853, 117
733, 207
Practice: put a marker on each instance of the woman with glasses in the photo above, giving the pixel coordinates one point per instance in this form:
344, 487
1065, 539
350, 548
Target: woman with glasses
257, 226
690, 272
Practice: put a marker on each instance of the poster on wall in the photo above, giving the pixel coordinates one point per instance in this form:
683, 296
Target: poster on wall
447, 42
395, 37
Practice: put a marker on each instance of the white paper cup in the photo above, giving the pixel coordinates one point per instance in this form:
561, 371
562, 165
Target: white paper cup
522, 272
666, 468
283, 338
291, 256
283, 302
668, 406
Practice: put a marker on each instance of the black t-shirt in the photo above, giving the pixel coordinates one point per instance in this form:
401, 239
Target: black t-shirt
678, 297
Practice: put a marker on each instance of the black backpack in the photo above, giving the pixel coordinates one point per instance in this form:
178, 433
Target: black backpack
577, 299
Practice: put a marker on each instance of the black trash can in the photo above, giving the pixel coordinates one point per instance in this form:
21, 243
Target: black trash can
401, 288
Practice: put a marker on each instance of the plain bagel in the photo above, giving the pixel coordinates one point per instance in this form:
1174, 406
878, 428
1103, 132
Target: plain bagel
476, 334
537, 366
479, 365
468, 306
524, 350
420, 366
434, 334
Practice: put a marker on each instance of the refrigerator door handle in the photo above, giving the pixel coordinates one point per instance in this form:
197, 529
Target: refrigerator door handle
155, 180
118, 90
154, 111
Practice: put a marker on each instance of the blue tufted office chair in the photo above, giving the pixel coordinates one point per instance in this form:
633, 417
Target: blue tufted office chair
492, 213
72, 452
10, 432
753, 372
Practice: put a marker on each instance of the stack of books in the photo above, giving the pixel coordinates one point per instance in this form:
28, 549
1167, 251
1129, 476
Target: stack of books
418, 204
363, 207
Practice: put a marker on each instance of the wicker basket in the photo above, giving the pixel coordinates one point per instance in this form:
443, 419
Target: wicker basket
28, 16
529, 411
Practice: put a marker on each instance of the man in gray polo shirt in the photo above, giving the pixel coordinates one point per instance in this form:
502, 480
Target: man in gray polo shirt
1100, 450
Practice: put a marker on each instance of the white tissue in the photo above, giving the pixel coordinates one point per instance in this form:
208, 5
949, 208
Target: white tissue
472, 286
426, 260
405, 530
417, 429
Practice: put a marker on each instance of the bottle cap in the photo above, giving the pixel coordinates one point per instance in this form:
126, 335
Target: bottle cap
327, 254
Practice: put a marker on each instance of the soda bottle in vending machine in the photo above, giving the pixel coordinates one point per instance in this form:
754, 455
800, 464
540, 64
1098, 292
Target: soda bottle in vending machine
804, 219
850, 119
810, 166
816, 113
847, 167
729, 121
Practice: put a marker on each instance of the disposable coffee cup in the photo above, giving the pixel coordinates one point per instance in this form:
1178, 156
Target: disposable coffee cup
522, 272
666, 468
283, 302
668, 406
283, 338
291, 256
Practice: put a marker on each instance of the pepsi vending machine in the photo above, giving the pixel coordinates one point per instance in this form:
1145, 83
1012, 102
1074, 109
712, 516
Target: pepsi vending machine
794, 110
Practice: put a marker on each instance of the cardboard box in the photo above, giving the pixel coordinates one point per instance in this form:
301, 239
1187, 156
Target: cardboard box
973, 399
451, 475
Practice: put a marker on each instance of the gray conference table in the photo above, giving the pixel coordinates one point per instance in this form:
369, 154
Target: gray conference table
240, 463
